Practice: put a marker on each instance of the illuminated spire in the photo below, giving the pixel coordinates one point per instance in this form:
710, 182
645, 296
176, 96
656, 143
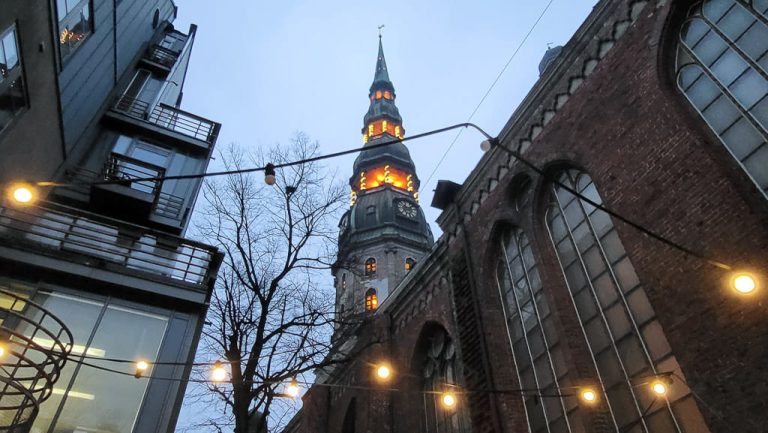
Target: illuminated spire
381, 74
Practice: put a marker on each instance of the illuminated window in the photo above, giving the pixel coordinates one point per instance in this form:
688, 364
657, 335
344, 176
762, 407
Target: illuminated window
12, 95
397, 131
409, 264
75, 24
722, 65
365, 138
370, 129
384, 126
370, 266
371, 300
378, 94
619, 324
387, 95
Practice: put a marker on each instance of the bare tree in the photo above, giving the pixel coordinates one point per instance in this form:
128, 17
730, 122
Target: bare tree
270, 316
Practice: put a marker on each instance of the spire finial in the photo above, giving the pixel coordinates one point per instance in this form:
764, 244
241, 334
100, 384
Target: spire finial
380, 27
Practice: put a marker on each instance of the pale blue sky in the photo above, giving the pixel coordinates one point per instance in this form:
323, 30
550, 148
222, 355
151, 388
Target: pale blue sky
266, 69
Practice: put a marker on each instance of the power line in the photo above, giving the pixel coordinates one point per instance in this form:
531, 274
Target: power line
488, 92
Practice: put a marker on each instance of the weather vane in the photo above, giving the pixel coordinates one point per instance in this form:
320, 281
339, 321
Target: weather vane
380, 27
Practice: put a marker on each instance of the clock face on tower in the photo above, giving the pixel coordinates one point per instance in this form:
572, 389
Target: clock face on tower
406, 209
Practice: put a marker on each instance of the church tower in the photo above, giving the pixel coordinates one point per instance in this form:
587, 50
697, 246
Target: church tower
384, 233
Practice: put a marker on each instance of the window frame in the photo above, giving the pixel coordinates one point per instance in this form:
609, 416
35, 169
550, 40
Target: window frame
371, 300
12, 77
370, 267
68, 18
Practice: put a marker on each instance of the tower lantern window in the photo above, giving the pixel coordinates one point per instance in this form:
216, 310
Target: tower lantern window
370, 267
378, 94
371, 300
397, 131
370, 129
387, 94
383, 126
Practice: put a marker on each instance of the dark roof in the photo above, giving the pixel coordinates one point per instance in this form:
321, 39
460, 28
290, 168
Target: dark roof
549, 57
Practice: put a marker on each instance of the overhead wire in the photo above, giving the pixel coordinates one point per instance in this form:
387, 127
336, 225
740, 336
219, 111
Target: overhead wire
488, 92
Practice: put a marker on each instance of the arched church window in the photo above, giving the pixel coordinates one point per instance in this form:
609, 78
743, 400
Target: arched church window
536, 346
370, 267
409, 263
722, 68
619, 324
439, 373
371, 300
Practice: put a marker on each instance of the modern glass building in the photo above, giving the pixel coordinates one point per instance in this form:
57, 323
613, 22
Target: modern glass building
90, 91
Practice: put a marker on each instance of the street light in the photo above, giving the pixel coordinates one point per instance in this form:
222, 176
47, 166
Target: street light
218, 374
22, 193
292, 389
448, 400
383, 372
659, 387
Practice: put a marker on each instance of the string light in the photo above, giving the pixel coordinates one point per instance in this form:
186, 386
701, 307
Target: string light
448, 400
269, 174
22, 193
588, 396
383, 372
744, 283
659, 387
141, 367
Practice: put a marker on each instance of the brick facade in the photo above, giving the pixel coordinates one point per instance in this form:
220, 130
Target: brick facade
652, 160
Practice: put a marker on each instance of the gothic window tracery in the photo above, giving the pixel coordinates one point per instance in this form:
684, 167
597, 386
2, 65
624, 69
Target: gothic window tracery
722, 69
439, 375
535, 343
622, 334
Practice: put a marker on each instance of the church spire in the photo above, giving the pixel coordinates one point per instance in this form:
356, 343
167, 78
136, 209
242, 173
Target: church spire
381, 75
383, 117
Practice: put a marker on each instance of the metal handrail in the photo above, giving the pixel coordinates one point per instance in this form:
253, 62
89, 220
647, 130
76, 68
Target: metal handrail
169, 117
126, 245
162, 55
126, 168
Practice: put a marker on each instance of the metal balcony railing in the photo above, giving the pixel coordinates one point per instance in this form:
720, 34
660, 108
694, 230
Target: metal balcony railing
73, 233
124, 169
170, 118
162, 55
166, 205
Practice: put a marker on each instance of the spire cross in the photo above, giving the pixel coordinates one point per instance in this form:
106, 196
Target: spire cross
380, 27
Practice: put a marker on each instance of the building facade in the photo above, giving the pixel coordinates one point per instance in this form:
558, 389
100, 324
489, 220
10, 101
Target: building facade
90, 97
655, 110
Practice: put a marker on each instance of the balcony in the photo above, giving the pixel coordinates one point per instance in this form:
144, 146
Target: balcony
93, 240
169, 119
163, 55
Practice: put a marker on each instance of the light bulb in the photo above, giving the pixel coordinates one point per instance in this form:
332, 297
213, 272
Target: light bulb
659, 387
141, 367
22, 193
448, 399
486, 145
744, 283
383, 372
2, 350
219, 373
269, 174
292, 389
588, 395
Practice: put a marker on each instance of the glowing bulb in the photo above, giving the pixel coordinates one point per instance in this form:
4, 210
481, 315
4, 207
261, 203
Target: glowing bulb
141, 367
588, 395
744, 283
448, 399
218, 374
22, 193
2, 350
659, 388
269, 174
292, 389
383, 372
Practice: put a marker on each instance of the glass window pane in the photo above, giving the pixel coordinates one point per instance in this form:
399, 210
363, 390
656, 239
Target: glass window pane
543, 371
655, 340
760, 111
536, 341
557, 226
585, 304
721, 114
757, 166
582, 235
593, 260
632, 355
714, 10
688, 415
742, 138
709, 48
11, 52
661, 421
702, 92
612, 246
566, 252
729, 67
596, 334
601, 222
626, 275
755, 41
609, 367
573, 213
574, 274
140, 337
735, 22
605, 289
618, 321
688, 75
623, 404
640, 307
